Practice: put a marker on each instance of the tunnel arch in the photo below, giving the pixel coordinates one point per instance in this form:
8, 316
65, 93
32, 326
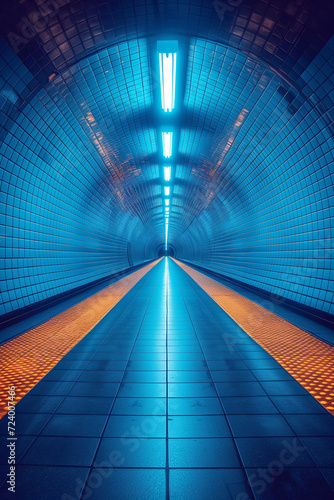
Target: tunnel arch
253, 173
162, 251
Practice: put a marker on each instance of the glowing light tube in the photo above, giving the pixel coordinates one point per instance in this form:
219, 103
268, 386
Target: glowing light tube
167, 173
167, 139
167, 63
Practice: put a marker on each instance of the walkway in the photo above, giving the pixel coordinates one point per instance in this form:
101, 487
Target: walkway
168, 398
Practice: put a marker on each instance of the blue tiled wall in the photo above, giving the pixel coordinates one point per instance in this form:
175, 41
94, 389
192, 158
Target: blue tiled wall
268, 171
65, 220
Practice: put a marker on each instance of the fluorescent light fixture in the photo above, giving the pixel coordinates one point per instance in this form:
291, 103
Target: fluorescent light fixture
166, 233
167, 203
167, 62
166, 210
167, 171
167, 138
167, 190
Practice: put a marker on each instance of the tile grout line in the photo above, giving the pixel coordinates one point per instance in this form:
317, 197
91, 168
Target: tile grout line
167, 438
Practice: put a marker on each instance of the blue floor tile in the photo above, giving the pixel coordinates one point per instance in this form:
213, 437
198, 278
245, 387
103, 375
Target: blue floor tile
198, 426
21, 446
216, 452
275, 374
213, 484
248, 405
43, 482
259, 425
279, 481
133, 390
283, 388
152, 377
126, 484
297, 404
75, 425
25, 424
134, 452
194, 406
51, 388
93, 389
38, 404
196, 390
321, 450
233, 376
139, 406
137, 426
77, 405
312, 425
183, 376
100, 376
260, 451
239, 389
69, 451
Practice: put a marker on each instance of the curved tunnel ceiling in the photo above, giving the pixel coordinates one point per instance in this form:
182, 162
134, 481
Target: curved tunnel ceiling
253, 138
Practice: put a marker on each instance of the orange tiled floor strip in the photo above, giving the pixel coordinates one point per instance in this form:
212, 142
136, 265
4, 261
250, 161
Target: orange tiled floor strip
26, 359
308, 359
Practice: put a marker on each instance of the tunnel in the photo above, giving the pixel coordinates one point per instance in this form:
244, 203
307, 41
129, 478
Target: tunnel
166, 214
